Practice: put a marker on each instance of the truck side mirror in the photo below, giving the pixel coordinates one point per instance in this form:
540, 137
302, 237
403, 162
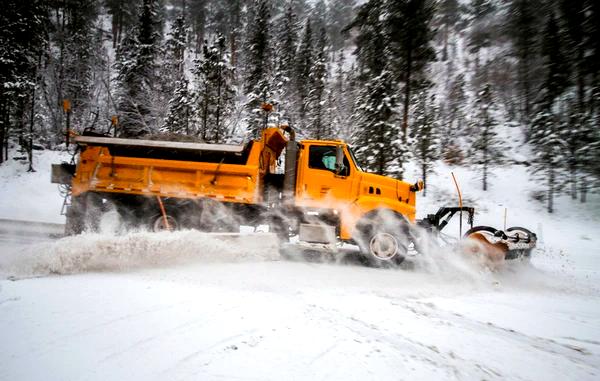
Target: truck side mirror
339, 159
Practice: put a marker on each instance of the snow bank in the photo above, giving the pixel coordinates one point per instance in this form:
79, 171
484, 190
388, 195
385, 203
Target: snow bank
106, 252
31, 196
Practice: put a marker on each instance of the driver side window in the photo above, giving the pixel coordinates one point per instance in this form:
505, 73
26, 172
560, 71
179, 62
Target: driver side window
323, 157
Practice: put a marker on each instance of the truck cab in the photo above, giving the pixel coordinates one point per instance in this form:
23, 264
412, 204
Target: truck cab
330, 179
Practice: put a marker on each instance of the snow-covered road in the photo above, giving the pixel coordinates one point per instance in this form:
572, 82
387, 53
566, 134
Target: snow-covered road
182, 306
278, 320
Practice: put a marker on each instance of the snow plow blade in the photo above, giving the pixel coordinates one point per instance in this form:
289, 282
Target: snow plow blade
494, 244
499, 245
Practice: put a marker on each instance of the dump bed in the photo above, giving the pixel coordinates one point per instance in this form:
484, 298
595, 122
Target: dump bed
230, 173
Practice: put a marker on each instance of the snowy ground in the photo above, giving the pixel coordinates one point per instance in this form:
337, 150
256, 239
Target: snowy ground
166, 307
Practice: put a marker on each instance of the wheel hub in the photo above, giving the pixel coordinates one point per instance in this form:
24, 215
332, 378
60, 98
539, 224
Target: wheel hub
383, 246
159, 224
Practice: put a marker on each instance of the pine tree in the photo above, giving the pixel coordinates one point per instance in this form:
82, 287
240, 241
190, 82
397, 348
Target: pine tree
449, 15
137, 68
342, 94
197, 15
376, 127
591, 150
123, 18
549, 152
303, 64
180, 108
215, 94
409, 31
257, 66
371, 40
172, 69
455, 125
175, 86
175, 47
425, 133
578, 133
573, 20
318, 15
340, 14
555, 63
317, 124
593, 46
225, 17
375, 116
69, 67
578, 137
523, 29
79, 56
285, 80
550, 123
21, 47
482, 13
486, 148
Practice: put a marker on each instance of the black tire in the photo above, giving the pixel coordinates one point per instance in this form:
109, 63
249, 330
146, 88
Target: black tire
75, 217
217, 217
84, 213
384, 240
477, 229
280, 227
515, 229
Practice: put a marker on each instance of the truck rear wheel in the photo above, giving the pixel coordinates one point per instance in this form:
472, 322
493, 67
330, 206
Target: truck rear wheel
84, 213
75, 217
158, 223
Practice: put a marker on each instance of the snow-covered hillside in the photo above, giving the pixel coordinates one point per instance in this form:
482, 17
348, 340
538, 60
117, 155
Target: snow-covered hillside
30, 195
191, 316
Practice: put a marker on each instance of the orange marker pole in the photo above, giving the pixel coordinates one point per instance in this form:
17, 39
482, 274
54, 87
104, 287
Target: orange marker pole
164, 213
460, 204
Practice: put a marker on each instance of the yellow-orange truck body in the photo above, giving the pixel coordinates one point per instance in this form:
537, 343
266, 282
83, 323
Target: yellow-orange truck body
110, 166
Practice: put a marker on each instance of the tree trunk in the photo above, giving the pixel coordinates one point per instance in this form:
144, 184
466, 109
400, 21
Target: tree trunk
485, 169
218, 109
31, 122
233, 44
204, 119
424, 176
526, 98
581, 76
445, 49
407, 95
573, 173
551, 190
4, 141
3, 110
583, 190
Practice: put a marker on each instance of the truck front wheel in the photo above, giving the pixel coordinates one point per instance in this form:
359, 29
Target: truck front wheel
384, 241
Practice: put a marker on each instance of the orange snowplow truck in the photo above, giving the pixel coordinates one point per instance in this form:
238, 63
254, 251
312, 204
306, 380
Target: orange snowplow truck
322, 195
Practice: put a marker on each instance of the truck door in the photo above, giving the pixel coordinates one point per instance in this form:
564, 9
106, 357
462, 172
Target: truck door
321, 185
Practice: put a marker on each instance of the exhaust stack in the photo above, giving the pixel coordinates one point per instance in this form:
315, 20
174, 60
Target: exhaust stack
291, 161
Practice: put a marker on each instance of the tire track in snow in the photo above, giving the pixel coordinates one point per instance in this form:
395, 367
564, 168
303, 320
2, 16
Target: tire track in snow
146, 340
189, 357
571, 352
48, 346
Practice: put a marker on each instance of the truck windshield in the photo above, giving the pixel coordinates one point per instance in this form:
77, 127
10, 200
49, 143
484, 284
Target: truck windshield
354, 159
